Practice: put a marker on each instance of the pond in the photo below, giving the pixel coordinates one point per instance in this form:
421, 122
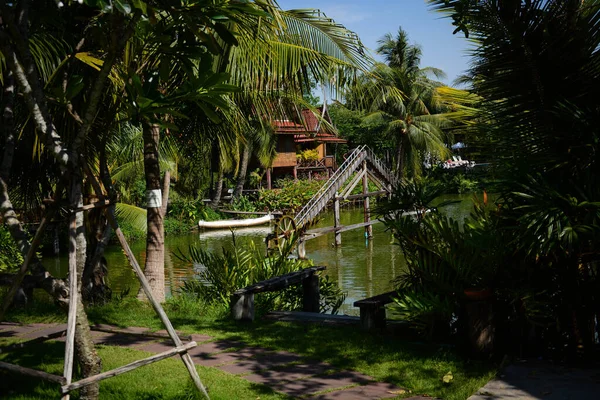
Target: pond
362, 267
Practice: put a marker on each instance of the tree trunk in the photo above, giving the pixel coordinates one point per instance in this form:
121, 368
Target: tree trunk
239, 187
400, 158
8, 126
95, 290
165, 193
155, 237
218, 188
88, 359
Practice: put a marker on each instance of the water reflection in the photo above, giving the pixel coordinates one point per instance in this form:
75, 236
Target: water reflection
362, 267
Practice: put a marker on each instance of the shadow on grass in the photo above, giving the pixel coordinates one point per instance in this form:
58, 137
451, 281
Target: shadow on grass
416, 366
44, 356
388, 358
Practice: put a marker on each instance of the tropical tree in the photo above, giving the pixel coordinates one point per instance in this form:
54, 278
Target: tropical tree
260, 141
535, 68
414, 120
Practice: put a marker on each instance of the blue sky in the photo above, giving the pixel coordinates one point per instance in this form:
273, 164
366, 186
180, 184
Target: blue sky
371, 19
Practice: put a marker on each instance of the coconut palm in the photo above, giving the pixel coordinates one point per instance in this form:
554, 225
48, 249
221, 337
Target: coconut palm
414, 120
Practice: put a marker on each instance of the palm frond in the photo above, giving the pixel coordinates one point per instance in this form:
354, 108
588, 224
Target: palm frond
132, 215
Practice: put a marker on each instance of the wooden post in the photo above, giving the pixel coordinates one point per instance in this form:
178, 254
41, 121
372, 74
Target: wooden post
242, 307
72, 315
372, 318
269, 178
187, 360
126, 368
295, 172
32, 372
367, 202
310, 294
336, 220
301, 249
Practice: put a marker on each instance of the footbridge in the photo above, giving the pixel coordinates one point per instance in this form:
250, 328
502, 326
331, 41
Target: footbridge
360, 167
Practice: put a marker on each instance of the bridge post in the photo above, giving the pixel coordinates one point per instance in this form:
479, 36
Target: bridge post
367, 202
336, 219
301, 249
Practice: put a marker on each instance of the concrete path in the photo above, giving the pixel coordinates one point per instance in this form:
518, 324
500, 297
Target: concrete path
535, 380
284, 372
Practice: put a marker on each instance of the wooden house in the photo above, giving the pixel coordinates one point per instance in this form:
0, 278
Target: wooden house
307, 133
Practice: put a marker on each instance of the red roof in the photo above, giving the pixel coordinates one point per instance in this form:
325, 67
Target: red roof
311, 129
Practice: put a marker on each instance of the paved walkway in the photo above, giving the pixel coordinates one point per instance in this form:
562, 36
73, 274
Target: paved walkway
284, 372
536, 380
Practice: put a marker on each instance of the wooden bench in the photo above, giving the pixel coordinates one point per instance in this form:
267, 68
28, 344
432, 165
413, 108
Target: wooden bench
242, 300
372, 310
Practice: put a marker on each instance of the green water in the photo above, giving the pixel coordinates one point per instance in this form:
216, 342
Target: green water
362, 267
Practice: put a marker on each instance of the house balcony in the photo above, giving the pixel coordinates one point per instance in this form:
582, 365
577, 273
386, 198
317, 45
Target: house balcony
324, 163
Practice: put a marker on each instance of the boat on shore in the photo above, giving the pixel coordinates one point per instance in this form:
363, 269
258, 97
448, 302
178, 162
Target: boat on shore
236, 223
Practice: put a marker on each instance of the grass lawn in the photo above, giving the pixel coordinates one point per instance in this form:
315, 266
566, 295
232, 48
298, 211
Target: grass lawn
167, 379
418, 367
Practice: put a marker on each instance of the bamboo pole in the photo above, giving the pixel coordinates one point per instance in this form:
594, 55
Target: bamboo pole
143, 334
110, 214
187, 360
336, 220
72, 315
367, 202
32, 372
66, 388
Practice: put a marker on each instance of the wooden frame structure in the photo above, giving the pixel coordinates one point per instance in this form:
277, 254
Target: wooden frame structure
367, 166
67, 385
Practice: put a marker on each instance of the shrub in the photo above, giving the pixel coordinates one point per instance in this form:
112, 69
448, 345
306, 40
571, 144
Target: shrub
308, 155
292, 196
10, 257
190, 211
222, 274
175, 227
255, 178
243, 203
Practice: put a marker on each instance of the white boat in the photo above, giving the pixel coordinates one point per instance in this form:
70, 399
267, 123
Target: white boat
236, 223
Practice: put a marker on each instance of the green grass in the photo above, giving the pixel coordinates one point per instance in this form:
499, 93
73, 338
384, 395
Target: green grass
167, 379
418, 367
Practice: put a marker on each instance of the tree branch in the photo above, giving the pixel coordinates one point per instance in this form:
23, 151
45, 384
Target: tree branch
117, 47
31, 89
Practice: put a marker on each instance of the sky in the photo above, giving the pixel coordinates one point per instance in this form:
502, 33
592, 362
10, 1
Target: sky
371, 19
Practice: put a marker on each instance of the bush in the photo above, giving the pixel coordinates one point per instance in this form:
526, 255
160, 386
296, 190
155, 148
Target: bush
461, 184
243, 203
292, 196
175, 227
223, 274
10, 257
190, 211
308, 155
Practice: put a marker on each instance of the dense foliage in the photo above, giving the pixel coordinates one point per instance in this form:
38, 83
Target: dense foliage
222, 274
290, 197
10, 257
536, 70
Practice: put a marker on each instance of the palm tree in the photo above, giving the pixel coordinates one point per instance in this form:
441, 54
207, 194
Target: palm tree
536, 68
260, 141
414, 119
